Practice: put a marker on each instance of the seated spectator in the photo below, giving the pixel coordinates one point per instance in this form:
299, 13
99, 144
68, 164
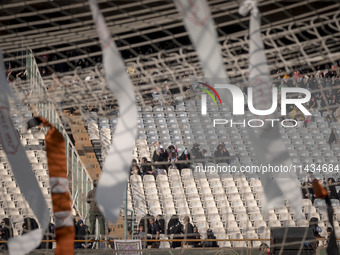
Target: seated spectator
196, 152
154, 230
134, 162
264, 248
221, 154
332, 190
175, 228
172, 159
171, 148
146, 167
185, 156
29, 225
188, 230
3, 246
313, 224
309, 179
210, 236
161, 222
197, 235
308, 119
136, 170
329, 232
333, 100
8, 230
142, 235
145, 222
159, 155
81, 234
333, 137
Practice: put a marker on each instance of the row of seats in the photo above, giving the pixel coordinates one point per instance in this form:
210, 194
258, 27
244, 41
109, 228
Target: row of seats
228, 205
12, 203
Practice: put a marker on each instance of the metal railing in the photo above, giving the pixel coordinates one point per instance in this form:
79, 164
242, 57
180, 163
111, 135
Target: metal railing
79, 178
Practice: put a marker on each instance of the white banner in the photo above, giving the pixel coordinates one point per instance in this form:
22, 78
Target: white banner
22, 171
113, 181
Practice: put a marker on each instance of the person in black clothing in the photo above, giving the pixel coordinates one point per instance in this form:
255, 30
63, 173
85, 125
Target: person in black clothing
3, 246
184, 156
146, 167
79, 234
154, 230
82, 234
197, 235
159, 155
332, 190
196, 153
175, 228
188, 230
221, 154
8, 230
29, 225
210, 235
161, 222
172, 222
145, 222
313, 224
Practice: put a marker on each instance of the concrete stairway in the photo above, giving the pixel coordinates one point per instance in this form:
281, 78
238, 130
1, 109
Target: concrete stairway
83, 146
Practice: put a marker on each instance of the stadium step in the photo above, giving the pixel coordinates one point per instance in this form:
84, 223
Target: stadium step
84, 146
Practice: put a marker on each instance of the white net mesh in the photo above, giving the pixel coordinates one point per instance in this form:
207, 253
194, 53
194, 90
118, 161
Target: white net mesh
301, 39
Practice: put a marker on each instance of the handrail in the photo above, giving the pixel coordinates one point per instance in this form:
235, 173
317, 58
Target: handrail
184, 240
78, 171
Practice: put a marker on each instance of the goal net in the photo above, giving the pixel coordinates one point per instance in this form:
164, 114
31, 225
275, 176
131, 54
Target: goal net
54, 64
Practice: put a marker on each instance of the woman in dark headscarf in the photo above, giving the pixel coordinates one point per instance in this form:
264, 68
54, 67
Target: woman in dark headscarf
175, 228
161, 222
8, 229
81, 233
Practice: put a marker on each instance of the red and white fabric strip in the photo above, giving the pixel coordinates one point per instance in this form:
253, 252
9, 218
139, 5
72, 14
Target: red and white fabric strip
59, 185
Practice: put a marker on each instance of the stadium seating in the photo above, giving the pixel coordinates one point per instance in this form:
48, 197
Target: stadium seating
230, 205
12, 203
